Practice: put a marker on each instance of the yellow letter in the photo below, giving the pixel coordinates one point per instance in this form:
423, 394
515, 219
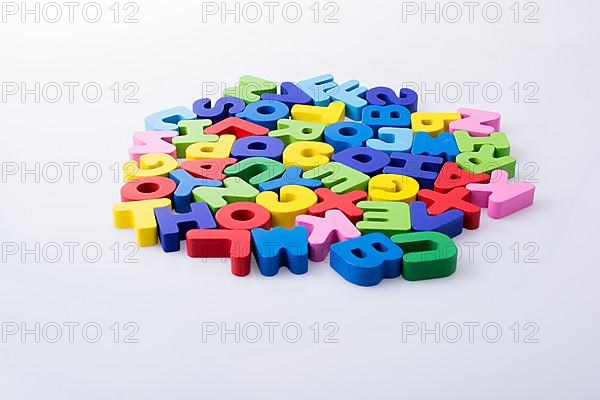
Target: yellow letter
139, 215
293, 200
392, 187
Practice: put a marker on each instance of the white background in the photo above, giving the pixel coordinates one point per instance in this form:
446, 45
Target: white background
173, 57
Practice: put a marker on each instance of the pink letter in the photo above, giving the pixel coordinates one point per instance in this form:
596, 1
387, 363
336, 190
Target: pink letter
500, 197
323, 232
476, 122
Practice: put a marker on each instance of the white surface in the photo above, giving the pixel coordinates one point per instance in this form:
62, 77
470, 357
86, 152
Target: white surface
169, 54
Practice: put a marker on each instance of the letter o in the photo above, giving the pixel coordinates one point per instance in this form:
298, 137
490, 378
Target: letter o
148, 188
243, 215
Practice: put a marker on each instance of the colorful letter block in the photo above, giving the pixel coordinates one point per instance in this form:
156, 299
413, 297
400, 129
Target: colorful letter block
290, 95
383, 96
152, 142
393, 116
343, 135
391, 187
185, 184
329, 200
444, 145
424, 169
323, 232
352, 95
364, 159
292, 201
449, 222
338, 177
483, 161
367, 259
317, 88
256, 170
154, 164
234, 190
451, 177
456, 199
387, 217
280, 247
307, 155
427, 255
290, 131
433, 123
210, 168
291, 176
500, 197
328, 115
391, 140
243, 215
225, 107
257, 146
210, 243
190, 132
139, 215
203, 150
250, 88
167, 120
265, 113
237, 127
476, 122
172, 227
149, 188
466, 142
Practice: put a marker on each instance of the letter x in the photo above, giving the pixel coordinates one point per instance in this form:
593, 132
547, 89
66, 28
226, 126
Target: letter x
455, 199
343, 202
